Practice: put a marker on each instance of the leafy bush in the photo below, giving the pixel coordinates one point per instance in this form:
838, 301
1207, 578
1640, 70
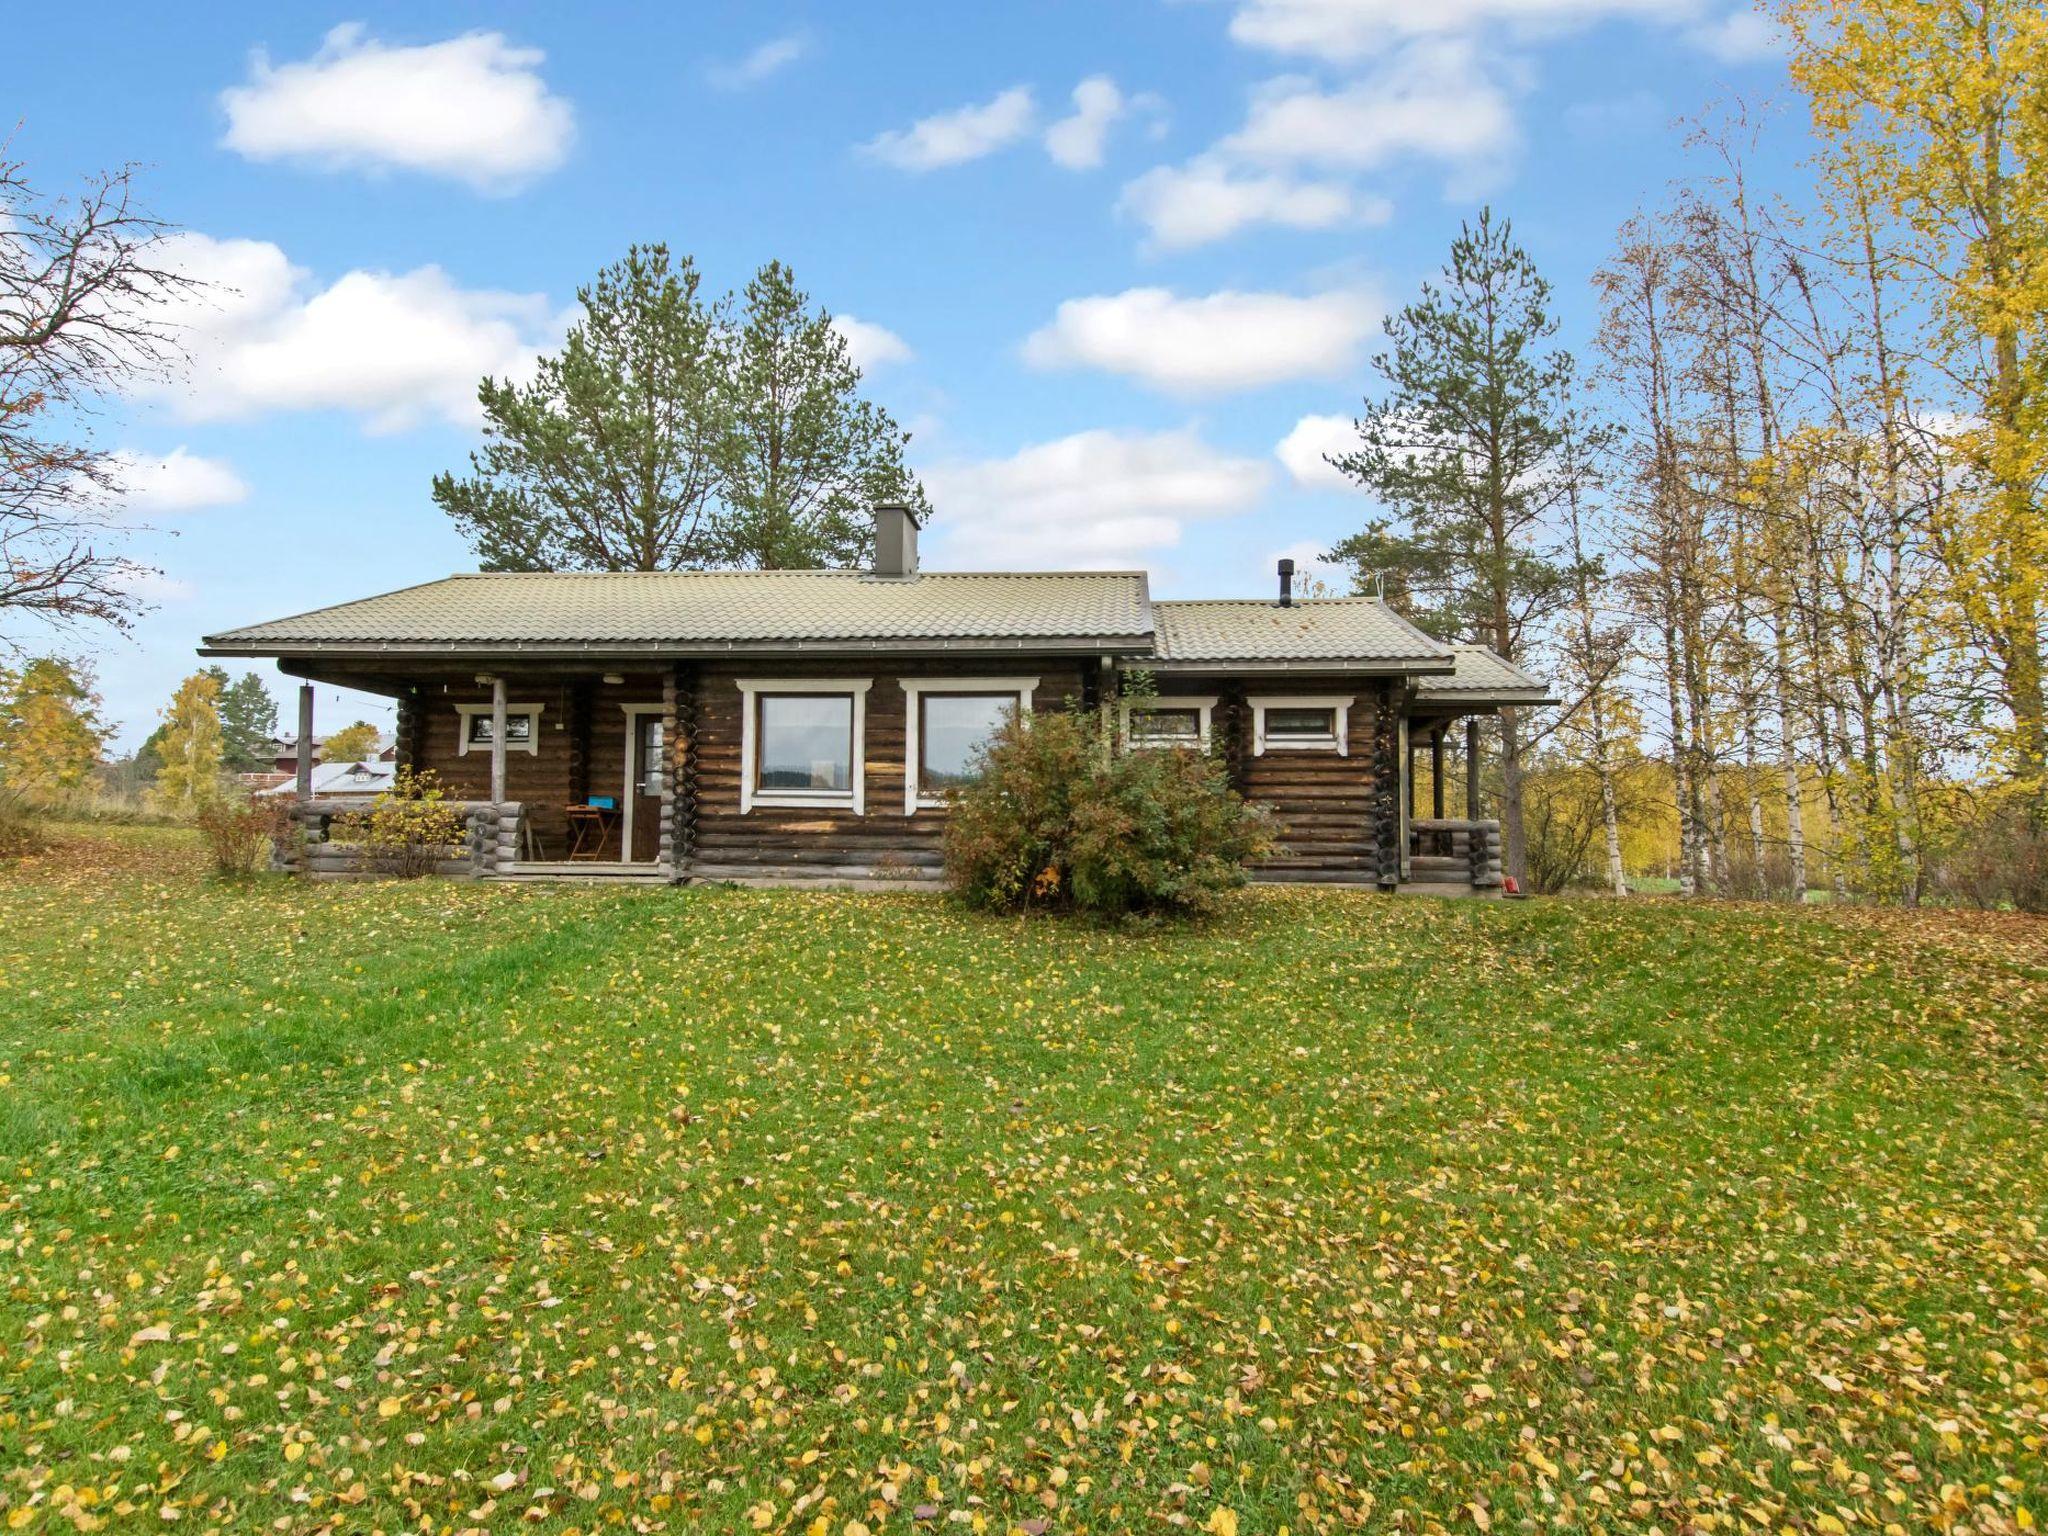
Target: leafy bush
239, 834
19, 833
1056, 820
409, 829
1997, 855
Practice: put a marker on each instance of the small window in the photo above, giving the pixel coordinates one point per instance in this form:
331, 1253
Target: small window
1317, 723
518, 730
522, 728
805, 744
1168, 720
1295, 724
1164, 726
952, 727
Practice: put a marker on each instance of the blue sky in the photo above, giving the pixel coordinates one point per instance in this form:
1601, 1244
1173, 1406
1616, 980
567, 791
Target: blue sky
1114, 263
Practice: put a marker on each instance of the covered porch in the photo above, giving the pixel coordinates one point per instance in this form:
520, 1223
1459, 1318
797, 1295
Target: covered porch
1442, 772
553, 772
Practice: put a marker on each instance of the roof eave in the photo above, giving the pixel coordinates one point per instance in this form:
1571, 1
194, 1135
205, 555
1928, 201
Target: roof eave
1381, 666
1491, 698
229, 645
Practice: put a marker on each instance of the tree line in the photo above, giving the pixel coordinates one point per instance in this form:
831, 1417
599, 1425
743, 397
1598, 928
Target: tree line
1780, 536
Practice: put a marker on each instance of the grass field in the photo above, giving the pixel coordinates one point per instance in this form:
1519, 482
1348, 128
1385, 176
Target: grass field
384, 1207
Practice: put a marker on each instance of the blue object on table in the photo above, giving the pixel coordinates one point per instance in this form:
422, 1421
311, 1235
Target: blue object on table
604, 802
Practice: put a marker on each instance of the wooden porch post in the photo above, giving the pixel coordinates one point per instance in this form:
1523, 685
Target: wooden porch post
1436, 773
498, 739
1472, 768
305, 758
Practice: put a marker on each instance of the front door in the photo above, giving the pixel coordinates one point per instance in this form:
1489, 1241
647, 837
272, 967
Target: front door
646, 789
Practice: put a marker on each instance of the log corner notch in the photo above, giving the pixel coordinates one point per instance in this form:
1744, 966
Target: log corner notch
1387, 785
412, 730
679, 771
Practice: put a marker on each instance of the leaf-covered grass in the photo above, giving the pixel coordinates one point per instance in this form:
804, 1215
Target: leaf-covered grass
382, 1207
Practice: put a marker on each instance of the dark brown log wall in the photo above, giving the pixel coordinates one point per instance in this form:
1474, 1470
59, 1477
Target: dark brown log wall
1324, 804
883, 840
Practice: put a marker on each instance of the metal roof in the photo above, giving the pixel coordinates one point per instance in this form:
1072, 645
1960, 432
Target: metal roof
1316, 631
718, 610
1482, 676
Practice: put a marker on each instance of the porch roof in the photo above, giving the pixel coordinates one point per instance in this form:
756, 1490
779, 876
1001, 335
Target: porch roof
576, 613
1481, 677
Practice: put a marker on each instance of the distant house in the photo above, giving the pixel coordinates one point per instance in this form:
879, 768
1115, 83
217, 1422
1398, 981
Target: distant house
284, 750
359, 781
809, 724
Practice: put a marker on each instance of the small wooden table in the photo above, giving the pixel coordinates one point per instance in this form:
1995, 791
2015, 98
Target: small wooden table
592, 831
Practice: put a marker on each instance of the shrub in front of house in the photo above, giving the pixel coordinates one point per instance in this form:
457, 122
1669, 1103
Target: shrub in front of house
1058, 821
409, 830
239, 832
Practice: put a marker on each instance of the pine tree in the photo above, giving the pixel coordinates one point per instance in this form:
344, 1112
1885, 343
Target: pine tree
248, 723
671, 434
805, 457
609, 459
1459, 448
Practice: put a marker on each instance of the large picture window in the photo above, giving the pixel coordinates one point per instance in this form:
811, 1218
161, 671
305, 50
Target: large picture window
802, 742
806, 743
946, 721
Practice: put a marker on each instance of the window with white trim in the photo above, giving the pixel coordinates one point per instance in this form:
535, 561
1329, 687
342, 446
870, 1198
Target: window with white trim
802, 742
947, 720
1169, 720
522, 728
1301, 723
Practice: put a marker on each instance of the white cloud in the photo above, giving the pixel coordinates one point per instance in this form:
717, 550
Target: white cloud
1077, 142
179, 481
1219, 342
1343, 31
473, 108
1207, 199
1740, 37
872, 345
1306, 451
394, 347
770, 58
953, 138
1099, 500
1435, 100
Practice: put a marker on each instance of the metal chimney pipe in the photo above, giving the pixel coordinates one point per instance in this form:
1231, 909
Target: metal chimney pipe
1286, 583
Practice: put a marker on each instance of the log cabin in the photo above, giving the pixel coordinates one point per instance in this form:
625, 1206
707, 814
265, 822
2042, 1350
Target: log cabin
808, 726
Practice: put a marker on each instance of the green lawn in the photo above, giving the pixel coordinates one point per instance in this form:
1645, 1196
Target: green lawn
382, 1207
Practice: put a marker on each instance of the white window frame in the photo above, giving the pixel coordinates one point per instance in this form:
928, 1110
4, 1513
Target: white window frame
629, 798
1340, 703
914, 689
854, 800
1204, 704
468, 712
